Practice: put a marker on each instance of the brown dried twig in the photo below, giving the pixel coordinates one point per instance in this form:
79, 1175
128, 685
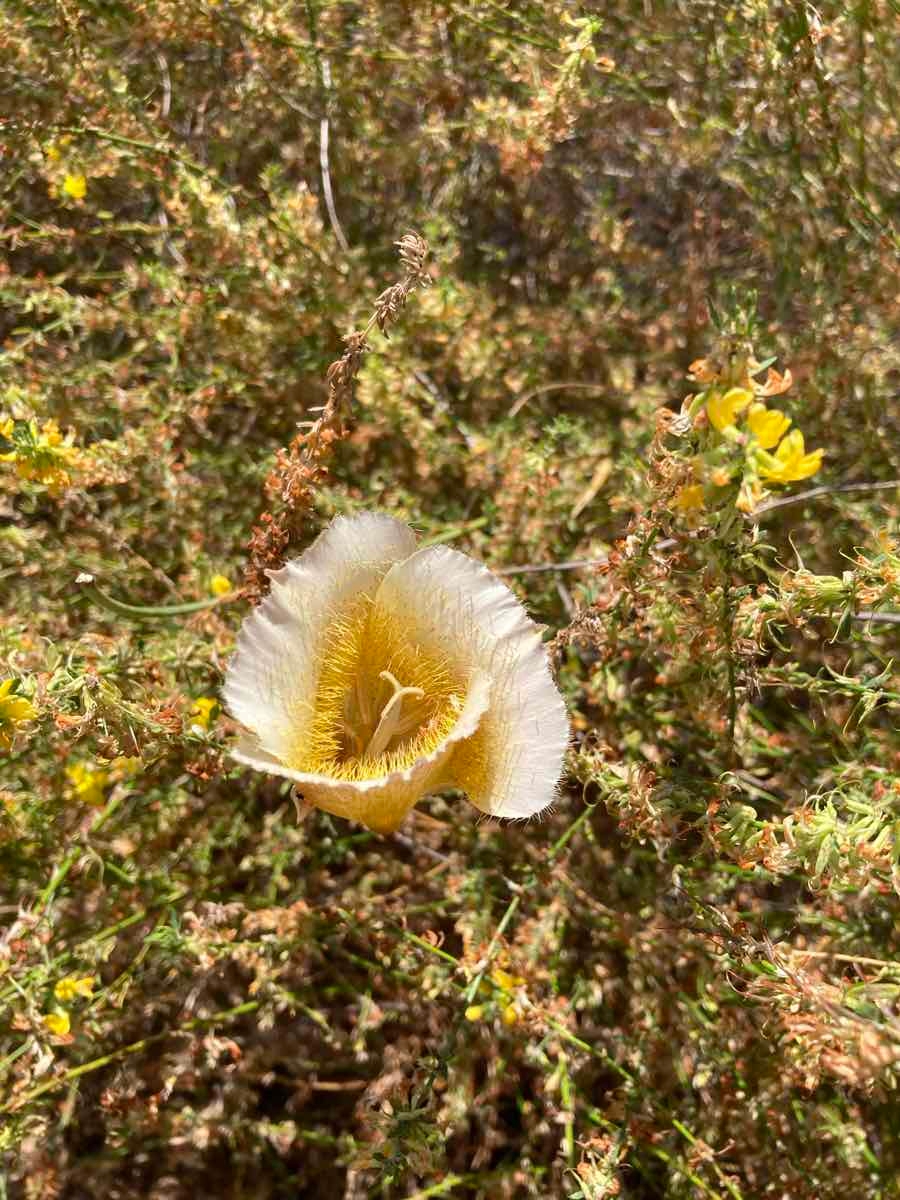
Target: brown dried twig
301, 466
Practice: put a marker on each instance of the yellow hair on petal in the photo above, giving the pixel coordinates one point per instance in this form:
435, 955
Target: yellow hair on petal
364, 660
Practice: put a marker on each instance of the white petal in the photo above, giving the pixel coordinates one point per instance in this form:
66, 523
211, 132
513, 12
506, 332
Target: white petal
511, 767
380, 804
271, 679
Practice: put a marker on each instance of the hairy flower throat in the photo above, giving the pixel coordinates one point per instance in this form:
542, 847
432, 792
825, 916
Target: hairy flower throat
381, 702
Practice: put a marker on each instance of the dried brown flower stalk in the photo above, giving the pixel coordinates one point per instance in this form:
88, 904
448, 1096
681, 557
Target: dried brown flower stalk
300, 466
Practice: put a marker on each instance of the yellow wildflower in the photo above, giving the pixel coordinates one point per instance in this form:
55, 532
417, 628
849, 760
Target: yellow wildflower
790, 462
202, 711
43, 455
122, 767
55, 148
689, 498
724, 407
75, 186
506, 981
509, 1015
70, 987
220, 585
6, 427
474, 1012
767, 425
57, 1022
14, 711
88, 783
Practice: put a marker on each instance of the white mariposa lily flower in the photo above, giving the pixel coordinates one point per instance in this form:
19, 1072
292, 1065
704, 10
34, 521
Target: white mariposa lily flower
375, 673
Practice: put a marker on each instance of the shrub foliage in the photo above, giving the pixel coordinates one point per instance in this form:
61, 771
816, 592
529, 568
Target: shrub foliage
684, 980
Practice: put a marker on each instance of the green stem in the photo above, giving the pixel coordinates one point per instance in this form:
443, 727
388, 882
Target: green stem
440, 1189
453, 532
71, 858
102, 935
152, 611
498, 933
123, 1052
560, 844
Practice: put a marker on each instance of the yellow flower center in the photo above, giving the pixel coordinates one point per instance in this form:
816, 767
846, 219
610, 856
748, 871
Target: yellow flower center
381, 703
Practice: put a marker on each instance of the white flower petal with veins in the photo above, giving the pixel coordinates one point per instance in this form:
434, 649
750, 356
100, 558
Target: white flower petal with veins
271, 678
511, 767
374, 674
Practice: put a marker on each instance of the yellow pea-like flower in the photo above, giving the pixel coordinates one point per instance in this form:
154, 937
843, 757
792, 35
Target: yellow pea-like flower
506, 981
790, 462
14, 711
88, 783
724, 408
203, 710
767, 425
40, 454
220, 585
57, 1022
75, 186
689, 498
67, 989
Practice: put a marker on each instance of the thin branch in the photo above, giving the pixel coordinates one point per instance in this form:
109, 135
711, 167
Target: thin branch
554, 387
885, 618
326, 186
848, 958
65, 1077
572, 564
492, 947
576, 564
323, 71
421, 847
167, 86
826, 490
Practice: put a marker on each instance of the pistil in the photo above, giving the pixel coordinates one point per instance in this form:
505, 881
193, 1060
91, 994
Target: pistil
391, 722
